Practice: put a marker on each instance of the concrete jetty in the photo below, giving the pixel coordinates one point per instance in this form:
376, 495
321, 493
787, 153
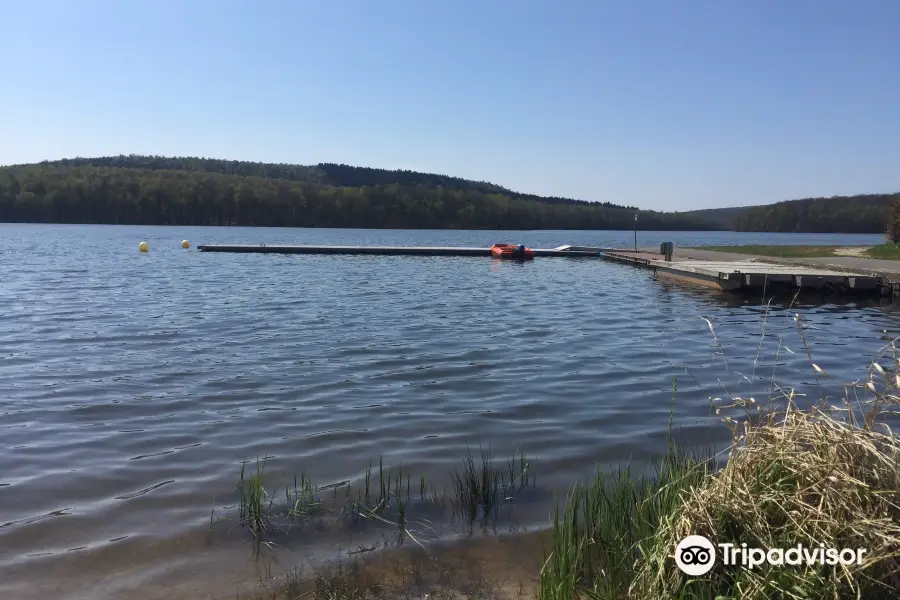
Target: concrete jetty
749, 275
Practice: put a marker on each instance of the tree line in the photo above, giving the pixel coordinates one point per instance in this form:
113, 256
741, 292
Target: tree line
137, 189
840, 214
893, 224
185, 191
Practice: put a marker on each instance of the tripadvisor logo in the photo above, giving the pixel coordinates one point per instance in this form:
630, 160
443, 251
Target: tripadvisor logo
696, 555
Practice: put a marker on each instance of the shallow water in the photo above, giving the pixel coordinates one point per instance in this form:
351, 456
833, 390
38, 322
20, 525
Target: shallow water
132, 385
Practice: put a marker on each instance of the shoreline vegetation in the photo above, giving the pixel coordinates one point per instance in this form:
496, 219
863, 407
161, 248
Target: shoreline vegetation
820, 472
888, 251
866, 213
156, 190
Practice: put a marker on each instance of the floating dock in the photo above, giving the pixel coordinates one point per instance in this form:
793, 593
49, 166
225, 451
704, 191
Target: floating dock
745, 275
562, 251
750, 275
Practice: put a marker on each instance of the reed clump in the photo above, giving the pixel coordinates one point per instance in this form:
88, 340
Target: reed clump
480, 488
255, 502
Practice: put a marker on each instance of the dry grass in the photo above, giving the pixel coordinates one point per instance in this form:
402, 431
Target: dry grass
824, 475
806, 479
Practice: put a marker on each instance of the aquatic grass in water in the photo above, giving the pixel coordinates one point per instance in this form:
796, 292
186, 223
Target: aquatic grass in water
253, 496
480, 488
479, 491
302, 502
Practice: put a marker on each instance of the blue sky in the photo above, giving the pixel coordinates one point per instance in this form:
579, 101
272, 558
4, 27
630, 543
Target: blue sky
662, 104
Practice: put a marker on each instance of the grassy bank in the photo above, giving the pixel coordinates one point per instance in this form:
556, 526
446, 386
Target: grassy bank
882, 251
799, 471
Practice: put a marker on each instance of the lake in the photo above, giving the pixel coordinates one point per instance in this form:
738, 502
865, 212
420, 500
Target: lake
133, 385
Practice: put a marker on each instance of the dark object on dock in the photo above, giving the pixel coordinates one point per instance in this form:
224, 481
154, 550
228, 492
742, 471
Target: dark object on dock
667, 249
562, 251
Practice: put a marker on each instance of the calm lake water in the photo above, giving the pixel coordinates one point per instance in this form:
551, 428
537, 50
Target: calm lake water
132, 385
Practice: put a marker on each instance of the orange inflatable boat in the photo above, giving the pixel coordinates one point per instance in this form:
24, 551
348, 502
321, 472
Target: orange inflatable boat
512, 251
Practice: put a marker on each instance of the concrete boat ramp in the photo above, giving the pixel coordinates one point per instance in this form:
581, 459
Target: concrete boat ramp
739, 275
751, 275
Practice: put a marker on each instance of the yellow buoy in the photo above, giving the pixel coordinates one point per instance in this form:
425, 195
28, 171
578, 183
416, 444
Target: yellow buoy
185, 244
143, 247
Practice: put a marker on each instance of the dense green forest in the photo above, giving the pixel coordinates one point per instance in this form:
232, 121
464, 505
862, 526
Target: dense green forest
893, 225
194, 191
200, 191
722, 218
323, 173
840, 214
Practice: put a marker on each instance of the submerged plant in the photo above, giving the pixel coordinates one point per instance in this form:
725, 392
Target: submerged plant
253, 496
478, 492
480, 488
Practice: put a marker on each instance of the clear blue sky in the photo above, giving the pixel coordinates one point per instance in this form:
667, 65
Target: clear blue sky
663, 104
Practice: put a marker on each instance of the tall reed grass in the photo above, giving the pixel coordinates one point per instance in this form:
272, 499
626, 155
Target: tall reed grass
605, 530
480, 489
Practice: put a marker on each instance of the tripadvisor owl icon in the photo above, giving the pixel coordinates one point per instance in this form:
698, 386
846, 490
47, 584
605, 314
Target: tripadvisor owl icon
695, 555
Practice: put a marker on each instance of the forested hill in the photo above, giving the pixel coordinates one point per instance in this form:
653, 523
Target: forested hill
200, 191
322, 173
195, 191
721, 217
840, 214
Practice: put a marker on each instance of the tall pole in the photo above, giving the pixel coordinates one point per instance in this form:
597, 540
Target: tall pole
635, 231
